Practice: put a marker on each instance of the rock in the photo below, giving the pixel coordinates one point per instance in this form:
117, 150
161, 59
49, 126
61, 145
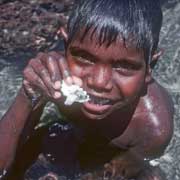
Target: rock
31, 25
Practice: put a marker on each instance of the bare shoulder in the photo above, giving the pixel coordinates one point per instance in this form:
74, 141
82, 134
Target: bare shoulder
151, 128
157, 100
156, 107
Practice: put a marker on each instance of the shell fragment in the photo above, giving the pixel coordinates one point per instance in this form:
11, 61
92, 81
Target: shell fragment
74, 93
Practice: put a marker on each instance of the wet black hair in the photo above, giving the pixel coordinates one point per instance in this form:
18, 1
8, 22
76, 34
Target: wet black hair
137, 22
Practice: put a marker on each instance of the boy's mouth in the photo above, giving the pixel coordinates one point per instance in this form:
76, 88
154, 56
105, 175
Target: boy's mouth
100, 101
97, 107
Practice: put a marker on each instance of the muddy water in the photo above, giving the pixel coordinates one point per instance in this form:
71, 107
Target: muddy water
167, 73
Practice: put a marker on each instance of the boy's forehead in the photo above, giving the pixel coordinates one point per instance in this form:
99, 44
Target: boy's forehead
93, 36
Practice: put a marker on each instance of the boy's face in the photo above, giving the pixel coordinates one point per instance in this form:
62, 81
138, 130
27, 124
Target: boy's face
114, 76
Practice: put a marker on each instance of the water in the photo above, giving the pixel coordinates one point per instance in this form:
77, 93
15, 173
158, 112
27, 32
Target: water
10, 81
167, 73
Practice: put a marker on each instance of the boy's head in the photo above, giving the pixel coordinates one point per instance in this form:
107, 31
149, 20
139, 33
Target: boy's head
136, 22
109, 44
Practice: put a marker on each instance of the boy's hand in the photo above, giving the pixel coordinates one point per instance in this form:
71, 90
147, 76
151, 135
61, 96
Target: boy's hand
43, 76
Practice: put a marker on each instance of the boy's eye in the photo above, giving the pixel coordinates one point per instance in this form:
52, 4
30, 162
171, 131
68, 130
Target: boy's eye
125, 67
83, 60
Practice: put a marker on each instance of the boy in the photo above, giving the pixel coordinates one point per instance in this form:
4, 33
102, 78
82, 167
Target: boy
110, 49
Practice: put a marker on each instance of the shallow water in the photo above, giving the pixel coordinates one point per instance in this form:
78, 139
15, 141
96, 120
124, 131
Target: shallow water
167, 73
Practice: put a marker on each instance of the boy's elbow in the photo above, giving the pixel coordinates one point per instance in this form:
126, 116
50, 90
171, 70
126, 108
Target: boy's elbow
159, 142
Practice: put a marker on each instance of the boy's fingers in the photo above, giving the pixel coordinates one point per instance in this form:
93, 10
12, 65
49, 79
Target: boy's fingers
60, 67
50, 61
31, 76
63, 67
57, 95
37, 83
57, 85
43, 73
53, 68
77, 80
28, 87
68, 79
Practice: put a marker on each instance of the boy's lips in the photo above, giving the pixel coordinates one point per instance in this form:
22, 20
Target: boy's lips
96, 108
98, 105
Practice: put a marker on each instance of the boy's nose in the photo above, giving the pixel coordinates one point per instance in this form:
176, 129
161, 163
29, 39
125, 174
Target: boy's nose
100, 78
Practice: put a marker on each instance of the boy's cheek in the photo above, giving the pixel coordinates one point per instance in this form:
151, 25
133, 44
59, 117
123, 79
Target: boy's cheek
130, 87
77, 70
74, 69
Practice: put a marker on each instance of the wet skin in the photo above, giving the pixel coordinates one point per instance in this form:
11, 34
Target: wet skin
127, 108
115, 73
140, 115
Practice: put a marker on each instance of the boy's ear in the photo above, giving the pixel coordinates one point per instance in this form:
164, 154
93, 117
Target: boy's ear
150, 66
156, 57
62, 32
148, 78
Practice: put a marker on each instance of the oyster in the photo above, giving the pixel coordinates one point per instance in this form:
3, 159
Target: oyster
74, 93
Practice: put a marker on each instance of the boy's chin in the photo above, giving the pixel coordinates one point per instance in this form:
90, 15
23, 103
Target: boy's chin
99, 112
93, 115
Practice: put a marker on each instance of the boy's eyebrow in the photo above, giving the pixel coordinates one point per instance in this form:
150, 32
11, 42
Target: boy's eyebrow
76, 51
130, 60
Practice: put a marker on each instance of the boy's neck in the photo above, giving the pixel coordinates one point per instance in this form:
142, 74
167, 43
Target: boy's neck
113, 125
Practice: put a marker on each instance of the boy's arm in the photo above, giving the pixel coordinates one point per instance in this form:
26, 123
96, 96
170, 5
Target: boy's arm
144, 142
15, 126
131, 164
146, 138
42, 76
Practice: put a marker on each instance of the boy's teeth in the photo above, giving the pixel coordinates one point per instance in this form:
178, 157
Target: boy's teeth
99, 101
